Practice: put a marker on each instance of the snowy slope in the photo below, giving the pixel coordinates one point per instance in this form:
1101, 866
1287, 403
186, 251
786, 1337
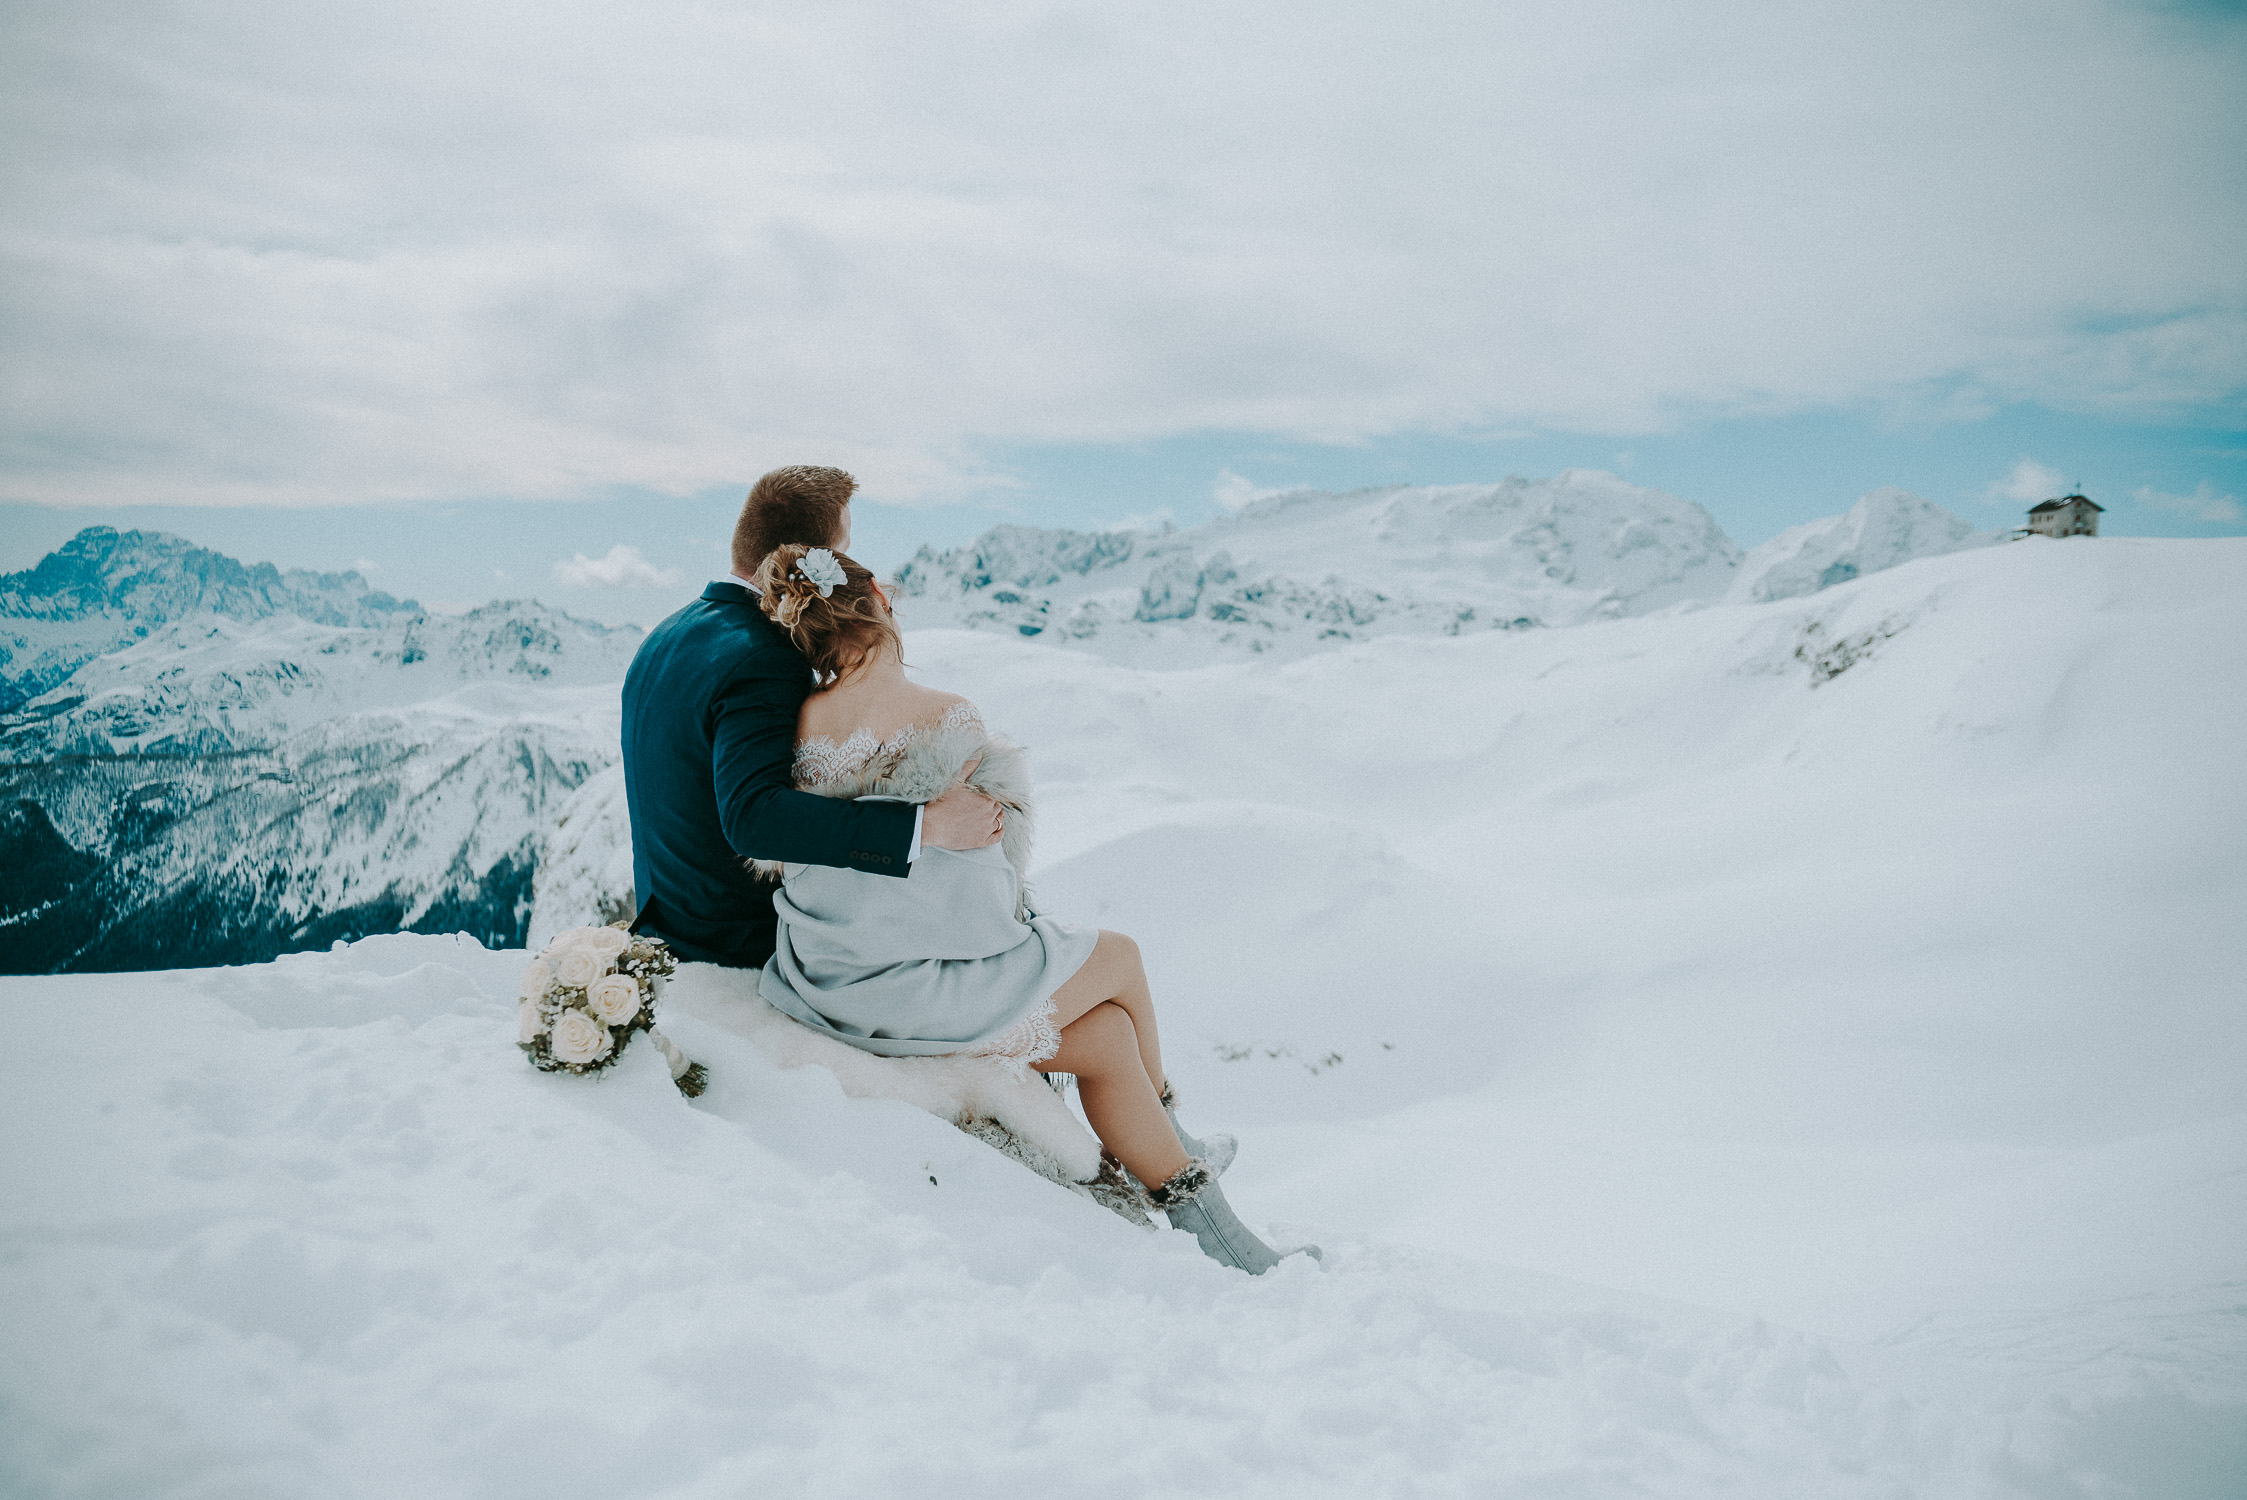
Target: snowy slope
330, 1237
224, 789
1861, 960
1886, 527
105, 588
1864, 961
1303, 571
333, 1238
583, 871
1626, 916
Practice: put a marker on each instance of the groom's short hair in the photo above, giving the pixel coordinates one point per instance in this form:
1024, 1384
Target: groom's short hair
800, 504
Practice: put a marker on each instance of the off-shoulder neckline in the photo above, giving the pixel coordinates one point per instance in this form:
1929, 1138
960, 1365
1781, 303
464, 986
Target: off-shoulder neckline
820, 758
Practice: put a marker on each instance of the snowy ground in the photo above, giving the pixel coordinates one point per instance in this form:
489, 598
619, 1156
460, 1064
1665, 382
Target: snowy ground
1783, 1051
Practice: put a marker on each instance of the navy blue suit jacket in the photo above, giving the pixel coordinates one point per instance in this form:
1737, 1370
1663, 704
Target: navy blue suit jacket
709, 751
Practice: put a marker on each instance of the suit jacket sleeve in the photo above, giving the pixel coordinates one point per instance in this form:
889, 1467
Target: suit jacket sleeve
753, 753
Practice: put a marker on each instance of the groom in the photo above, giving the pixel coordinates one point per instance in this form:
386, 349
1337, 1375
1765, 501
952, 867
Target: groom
710, 747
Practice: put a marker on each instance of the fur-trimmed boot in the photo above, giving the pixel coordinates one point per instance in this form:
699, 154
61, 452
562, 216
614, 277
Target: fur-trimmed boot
1117, 1191
1193, 1201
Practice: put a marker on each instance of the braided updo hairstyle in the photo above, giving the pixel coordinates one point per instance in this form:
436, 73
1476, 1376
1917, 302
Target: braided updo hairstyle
835, 633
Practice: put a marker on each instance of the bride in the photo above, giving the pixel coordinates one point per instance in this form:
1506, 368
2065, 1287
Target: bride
952, 958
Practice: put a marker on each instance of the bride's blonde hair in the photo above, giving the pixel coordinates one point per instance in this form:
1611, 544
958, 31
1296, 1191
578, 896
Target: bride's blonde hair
836, 632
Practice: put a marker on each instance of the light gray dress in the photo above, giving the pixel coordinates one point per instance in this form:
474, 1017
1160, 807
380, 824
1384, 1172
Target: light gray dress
949, 959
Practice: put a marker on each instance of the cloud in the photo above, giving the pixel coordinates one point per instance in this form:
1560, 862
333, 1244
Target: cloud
412, 250
622, 568
1234, 491
365, 567
2028, 483
2203, 504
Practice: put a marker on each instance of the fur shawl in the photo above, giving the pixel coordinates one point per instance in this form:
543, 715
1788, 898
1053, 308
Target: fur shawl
921, 764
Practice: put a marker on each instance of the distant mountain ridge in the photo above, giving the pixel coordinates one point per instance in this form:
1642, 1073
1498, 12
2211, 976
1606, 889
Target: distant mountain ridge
244, 762
104, 588
204, 761
1884, 529
214, 685
1295, 572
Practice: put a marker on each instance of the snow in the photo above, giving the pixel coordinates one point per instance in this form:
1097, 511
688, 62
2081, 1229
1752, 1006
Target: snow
971, 1092
208, 761
1302, 572
1886, 527
584, 872
240, 787
104, 589
1776, 1050
215, 685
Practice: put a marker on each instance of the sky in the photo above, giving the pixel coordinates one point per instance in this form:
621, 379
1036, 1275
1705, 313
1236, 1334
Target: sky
500, 299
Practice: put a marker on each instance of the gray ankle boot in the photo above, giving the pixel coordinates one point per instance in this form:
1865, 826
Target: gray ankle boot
1202, 1210
1193, 1201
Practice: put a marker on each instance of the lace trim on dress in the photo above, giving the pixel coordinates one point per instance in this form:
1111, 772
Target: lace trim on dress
1032, 1039
820, 760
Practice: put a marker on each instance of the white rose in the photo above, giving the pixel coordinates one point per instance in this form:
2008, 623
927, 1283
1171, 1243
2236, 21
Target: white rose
578, 968
537, 975
578, 1038
604, 943
529, 1024
615, 999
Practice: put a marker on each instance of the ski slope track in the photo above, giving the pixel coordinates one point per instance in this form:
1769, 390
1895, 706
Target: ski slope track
1770, 1050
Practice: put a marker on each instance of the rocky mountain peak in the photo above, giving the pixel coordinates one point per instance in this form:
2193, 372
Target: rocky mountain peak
1295, 572
154, 577
105, 589
1884, 529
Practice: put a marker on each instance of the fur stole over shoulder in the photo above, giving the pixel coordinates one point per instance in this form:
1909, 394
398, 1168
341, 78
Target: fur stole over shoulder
922, 764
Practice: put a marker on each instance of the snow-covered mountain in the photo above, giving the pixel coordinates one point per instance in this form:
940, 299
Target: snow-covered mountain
244, 779
106, 588
1774, 1052
207, 761
1884, 528
583, 873
213, 685
1296, 572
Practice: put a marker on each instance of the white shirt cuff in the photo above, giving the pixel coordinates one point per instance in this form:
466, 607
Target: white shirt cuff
915, 852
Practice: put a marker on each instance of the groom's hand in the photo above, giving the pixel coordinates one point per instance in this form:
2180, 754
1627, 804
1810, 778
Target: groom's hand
963, 818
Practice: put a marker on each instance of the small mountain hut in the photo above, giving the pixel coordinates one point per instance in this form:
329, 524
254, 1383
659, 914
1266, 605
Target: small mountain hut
2070, 515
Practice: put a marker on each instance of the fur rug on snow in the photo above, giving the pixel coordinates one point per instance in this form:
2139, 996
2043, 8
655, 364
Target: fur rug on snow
1022, 1117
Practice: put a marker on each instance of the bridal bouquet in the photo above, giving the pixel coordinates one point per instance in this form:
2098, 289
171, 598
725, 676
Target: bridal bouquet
584, 996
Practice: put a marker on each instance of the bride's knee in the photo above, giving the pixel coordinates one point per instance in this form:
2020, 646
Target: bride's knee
1122, 950
1104, 1032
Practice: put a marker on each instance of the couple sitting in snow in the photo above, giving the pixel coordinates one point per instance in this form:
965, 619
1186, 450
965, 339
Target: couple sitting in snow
770, 731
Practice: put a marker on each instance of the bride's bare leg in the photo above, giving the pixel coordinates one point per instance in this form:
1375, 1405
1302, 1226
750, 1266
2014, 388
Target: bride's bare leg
1114, 975
1102, 1048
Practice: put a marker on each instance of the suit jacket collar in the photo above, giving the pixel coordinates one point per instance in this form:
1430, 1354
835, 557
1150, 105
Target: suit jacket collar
722, 592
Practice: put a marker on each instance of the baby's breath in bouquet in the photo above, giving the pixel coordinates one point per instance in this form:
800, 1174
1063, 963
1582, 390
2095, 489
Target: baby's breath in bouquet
584, 996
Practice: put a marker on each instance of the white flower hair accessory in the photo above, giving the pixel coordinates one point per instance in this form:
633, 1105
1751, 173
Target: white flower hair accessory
820, 569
